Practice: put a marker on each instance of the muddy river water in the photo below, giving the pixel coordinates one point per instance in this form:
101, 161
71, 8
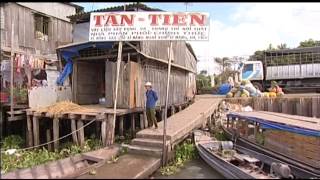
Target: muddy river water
194, 169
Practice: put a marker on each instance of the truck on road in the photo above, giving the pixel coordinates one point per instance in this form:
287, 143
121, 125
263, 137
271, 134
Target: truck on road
296, 70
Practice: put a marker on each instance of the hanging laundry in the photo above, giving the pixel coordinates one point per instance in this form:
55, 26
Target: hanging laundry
24, 60
5, 72
16, 62
31, 60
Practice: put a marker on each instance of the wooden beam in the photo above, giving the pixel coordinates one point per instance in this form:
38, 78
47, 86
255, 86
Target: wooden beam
111, 139
73, 129
48, 135
163, 114
11, 70
141, 121
29, 131
146, 125
160, 60
104, 132
121, 126
133, 124
110, 129
55, 124
103, 57
164, 147
80, 132
36, 139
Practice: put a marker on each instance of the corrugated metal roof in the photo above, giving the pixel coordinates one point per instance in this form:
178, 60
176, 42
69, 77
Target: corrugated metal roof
85, 16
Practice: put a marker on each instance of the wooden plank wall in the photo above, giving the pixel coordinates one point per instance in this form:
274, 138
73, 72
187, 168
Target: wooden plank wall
181, 54
303, 106
157, 75
59, 31
124, 81
134, 74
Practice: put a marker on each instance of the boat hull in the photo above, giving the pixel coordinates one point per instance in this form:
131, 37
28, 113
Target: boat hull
299, 169
225, 168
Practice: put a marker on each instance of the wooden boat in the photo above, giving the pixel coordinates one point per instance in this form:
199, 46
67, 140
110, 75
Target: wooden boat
70, 167
242, 142
231, 163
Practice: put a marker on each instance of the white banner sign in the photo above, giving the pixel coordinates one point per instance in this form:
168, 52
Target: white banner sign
138, 26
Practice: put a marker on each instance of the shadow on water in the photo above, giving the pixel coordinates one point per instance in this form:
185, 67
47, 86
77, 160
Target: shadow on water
194, 169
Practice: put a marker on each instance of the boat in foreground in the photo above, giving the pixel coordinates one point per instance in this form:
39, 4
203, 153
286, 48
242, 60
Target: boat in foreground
284, 147
234, 164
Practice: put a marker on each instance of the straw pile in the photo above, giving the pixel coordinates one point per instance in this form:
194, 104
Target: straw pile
61, 107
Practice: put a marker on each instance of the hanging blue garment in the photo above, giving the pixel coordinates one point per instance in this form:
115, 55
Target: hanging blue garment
73, 51
65, 73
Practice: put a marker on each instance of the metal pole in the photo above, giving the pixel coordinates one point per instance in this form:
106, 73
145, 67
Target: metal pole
164, 149
11, 72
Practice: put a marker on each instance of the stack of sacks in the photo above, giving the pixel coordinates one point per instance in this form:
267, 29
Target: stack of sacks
245, 89
275, 90
254, 92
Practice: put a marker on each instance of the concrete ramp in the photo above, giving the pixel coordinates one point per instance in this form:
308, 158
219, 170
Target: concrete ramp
128, 166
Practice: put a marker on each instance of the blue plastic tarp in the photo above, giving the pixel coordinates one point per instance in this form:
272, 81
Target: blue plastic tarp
272, 125
224, 89
68, 53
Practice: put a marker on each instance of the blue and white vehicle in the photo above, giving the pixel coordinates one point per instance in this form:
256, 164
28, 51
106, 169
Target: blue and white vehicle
293, 69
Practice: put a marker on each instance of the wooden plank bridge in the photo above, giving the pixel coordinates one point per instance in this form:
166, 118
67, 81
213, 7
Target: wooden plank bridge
146, 149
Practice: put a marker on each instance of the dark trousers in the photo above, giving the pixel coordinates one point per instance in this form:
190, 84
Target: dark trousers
151, 116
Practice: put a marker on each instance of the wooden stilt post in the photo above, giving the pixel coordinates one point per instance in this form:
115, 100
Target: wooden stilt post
111, 139
48, 135
80, 132
146, 124
133, 124
55, 124
121, 119
11, 70
36, 139
172, 110
29, 131
141, 121
104, 131
164, 148
73, 129
180, 108
110, 129
163, 114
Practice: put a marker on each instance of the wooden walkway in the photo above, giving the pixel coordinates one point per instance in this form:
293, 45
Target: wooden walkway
145, 150
290, 120
180, 124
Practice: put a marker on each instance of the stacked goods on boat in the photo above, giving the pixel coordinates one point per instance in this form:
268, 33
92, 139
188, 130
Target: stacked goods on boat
301, 147
247, 89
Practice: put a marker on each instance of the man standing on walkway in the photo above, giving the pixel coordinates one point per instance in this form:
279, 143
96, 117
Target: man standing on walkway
150, 105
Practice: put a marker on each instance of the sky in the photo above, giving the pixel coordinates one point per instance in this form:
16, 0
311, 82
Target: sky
239, 29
